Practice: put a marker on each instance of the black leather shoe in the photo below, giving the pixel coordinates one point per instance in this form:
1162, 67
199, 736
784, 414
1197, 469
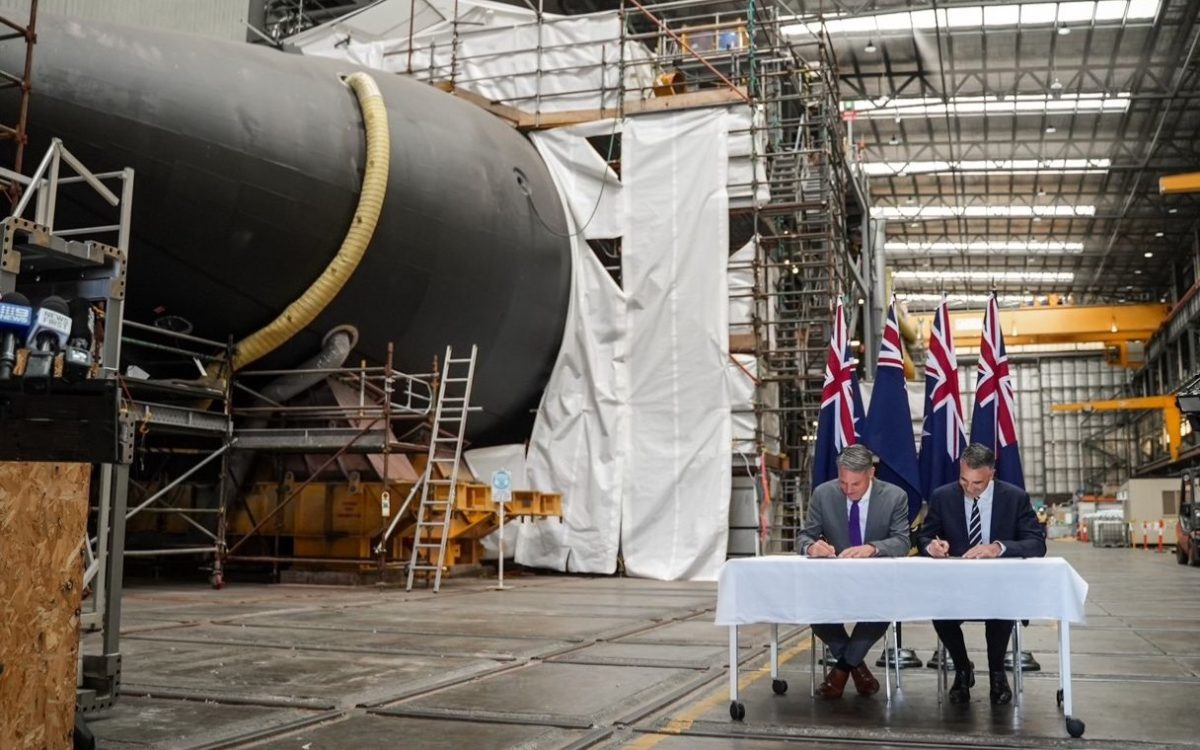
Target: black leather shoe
960, 691
1001, 694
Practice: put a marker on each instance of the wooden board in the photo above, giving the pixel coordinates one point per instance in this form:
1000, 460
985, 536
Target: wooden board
43, 519
719, 97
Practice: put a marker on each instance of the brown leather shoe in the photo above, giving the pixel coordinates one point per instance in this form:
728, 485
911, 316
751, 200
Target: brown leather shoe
864, 682
834, 684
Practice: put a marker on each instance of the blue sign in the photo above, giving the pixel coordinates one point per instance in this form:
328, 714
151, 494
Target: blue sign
501, 486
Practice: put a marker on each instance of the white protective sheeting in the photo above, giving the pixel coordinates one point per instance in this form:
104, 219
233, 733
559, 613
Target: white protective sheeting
484, 461
747, 164
742, 371
675, 509
581, 432
497, 54
798, 590
592, 190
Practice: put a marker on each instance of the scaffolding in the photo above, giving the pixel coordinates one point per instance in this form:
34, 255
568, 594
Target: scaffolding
796, 204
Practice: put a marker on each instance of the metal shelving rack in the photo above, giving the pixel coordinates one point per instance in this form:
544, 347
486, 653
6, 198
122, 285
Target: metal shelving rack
86, 421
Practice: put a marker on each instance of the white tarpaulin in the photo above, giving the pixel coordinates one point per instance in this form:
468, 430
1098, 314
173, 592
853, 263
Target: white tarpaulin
747, 161
592, 190
499, 52
634, 427
675, 509
579, 437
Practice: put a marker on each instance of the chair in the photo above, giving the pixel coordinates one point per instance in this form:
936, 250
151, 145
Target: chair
890, 665
1018, 674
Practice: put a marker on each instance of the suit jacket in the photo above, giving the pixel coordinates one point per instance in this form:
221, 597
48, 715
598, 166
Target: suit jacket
887, 519
1014, 524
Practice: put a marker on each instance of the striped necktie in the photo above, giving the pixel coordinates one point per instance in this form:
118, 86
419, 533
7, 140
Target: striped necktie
975, 528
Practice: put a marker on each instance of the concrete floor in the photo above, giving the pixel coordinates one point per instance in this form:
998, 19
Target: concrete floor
574, 662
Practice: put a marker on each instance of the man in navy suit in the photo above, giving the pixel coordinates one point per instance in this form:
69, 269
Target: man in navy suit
978, 518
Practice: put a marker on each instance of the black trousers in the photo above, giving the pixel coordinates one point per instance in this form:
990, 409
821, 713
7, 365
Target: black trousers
997, 633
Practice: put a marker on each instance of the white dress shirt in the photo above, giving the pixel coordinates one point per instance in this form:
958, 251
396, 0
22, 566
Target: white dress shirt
863, 506
985, 512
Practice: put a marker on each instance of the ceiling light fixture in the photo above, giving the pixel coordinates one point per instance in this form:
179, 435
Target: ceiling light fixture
1063, 29
1148, 254
893, 141
1011, 15
870, 48
1158, 234
1172, 210
1056, 85
1038, 167
1022, 247
1020, 277
966, 106
981, 212
1051, 129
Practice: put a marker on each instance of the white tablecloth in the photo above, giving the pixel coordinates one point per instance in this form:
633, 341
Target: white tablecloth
793, 589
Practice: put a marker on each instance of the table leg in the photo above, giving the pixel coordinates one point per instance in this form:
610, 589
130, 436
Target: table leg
733, 662
777, 685
737, 711
774, 651
1075, 727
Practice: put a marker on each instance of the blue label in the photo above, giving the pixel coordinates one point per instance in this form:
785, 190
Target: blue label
15, 314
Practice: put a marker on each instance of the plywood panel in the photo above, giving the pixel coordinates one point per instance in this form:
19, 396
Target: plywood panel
43, 519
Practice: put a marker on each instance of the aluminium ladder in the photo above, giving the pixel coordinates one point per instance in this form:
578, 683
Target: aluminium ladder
435, 510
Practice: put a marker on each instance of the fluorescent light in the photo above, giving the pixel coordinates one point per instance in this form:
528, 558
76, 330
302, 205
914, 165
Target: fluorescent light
1023, 247
1080, 12
927, 277
1014, 166
979, 212
967, 106
953, 298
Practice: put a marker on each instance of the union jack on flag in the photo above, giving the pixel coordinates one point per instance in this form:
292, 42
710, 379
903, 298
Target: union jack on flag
842, 418
994, 422
890, 354
944, 435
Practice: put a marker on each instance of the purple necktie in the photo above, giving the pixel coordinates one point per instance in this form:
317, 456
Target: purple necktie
855, 529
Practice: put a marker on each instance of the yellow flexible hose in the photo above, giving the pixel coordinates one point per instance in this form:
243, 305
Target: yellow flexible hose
309, 305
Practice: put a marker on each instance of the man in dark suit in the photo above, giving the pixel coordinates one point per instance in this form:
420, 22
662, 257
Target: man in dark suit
979, 518
854, 516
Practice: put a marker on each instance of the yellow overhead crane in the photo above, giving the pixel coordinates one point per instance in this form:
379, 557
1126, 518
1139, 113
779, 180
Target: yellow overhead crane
1116, 326
1174, 184
1172, 417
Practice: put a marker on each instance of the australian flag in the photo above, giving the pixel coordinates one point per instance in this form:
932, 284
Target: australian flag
994, 421
842, 419
889, 425
944, 435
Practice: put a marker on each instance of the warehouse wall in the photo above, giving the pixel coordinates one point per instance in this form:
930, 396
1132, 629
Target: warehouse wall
220, 19
1063, 452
